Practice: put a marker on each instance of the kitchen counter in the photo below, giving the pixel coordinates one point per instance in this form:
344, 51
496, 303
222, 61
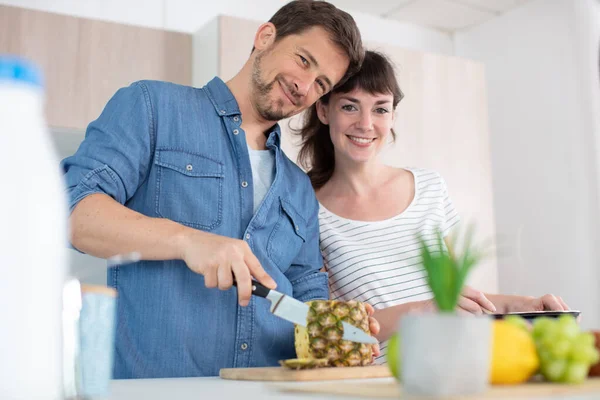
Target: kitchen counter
220, 389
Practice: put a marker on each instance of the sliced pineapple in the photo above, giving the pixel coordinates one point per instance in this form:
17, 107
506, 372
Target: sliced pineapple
305, 363
322, 337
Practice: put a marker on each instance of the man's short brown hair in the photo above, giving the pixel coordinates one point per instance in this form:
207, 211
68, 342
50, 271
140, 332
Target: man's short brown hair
300, 15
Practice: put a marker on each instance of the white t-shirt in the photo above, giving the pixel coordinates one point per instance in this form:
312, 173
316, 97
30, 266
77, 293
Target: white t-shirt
263, 173
379, 262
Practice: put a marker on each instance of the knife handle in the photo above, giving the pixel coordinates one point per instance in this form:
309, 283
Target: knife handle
257, 289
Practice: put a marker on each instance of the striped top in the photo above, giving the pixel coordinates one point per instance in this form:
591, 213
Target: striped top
378, 262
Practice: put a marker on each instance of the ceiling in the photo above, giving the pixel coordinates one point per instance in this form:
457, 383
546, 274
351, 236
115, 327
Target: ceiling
443, 15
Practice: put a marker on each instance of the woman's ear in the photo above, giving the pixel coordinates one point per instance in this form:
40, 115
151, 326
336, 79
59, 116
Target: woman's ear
322, 112
265, 36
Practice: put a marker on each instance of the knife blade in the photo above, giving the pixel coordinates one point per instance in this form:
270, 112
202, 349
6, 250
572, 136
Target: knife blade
295, 311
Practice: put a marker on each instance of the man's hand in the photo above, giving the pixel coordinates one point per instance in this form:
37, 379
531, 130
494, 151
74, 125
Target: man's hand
374, 328
219, 259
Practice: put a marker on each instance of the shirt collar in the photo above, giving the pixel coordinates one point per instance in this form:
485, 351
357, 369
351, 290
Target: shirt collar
221, 97
226, 105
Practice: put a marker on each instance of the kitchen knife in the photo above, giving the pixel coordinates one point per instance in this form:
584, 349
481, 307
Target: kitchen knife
295, 311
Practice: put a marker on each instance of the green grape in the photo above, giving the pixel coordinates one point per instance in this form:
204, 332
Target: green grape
545, 355
586, 338
567, 326
565, 352
554, 370
560, 348
542, 326
576, 373
595, 357
547, 342
592, 355
580, 353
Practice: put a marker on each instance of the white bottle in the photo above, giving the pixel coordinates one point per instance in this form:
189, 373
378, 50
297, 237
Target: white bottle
33, 238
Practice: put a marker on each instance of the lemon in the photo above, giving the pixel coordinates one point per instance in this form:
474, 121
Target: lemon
393, 355
514, 356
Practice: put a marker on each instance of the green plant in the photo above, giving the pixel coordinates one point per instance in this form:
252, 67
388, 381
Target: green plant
446, 270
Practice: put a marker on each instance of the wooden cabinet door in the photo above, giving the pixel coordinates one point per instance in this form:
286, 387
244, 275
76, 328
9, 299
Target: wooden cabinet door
442, 124
85, 61
52, 42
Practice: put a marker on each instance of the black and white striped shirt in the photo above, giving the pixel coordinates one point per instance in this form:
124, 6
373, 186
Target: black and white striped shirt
378, 262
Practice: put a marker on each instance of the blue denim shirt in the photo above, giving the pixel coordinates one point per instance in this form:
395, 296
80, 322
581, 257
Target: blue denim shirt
179, 152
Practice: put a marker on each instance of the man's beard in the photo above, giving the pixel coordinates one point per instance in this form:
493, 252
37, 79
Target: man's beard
267, 109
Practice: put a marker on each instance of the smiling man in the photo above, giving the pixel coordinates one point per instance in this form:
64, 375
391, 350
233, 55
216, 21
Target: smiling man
194, 179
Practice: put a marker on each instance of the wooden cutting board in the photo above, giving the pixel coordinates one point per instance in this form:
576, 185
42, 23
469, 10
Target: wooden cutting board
319, 374
389, 389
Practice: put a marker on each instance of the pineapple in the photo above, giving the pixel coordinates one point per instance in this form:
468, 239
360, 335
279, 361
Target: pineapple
320, 344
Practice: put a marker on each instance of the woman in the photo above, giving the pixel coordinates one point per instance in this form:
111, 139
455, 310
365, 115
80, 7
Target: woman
372, 214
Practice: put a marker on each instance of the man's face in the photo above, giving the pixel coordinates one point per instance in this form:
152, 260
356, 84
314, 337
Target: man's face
294, 72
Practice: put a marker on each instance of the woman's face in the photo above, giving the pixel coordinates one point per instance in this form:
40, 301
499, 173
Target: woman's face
359, 123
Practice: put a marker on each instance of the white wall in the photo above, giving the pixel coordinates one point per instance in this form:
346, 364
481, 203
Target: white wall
190, 15
544, 133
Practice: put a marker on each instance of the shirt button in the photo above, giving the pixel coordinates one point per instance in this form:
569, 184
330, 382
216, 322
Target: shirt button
244, 346
247, 236
189, 167
222, 111
236, 131
236, 118
296, 227
244, 184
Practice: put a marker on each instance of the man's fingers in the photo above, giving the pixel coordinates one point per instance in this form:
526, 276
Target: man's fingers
257, 270
210, 277
225, 279
243, 282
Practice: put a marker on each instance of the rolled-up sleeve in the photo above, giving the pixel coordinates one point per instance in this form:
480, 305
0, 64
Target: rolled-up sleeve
116, 153
304, 274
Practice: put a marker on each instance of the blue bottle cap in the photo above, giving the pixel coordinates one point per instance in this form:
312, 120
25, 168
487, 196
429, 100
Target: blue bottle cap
13, 68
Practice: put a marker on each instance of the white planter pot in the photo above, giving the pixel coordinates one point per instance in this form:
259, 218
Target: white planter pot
445, 354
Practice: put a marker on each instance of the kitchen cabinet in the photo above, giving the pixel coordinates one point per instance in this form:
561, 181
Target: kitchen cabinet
442, 123
85, 61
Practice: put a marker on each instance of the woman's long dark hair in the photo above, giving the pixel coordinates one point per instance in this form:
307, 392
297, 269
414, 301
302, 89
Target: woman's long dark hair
316, 156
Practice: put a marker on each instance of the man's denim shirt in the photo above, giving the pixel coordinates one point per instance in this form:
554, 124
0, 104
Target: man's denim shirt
179, 152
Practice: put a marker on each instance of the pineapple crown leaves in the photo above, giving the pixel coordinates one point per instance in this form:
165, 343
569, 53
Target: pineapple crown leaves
447, 272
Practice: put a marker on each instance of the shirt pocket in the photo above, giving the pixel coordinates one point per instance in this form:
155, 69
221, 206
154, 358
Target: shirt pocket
287, 237
189, 188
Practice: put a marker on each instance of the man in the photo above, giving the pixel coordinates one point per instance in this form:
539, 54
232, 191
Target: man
196, 182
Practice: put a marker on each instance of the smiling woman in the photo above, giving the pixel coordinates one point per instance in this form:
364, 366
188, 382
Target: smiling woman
317, 153
373, 215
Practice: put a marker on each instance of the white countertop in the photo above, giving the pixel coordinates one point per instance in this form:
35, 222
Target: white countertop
215, 388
